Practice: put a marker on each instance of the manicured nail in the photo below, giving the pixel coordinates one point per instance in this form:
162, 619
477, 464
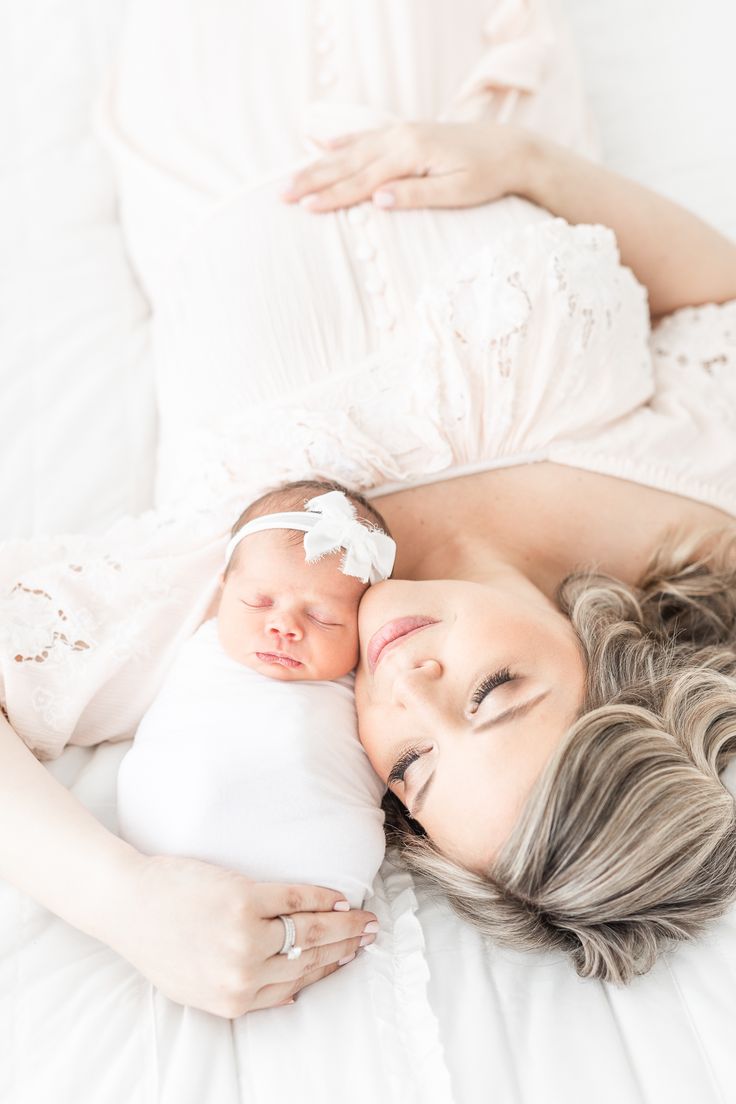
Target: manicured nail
290, 1001
342, 961
374, 926
366, 940
341, 906
309, 201
384, 199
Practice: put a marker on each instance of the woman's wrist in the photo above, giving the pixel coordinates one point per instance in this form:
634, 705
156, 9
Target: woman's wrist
106, 910
539, 167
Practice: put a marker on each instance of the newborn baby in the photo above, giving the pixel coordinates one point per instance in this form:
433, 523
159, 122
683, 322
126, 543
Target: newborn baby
249, 756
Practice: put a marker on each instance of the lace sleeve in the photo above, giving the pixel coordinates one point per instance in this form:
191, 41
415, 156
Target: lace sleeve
88, 625
697, 339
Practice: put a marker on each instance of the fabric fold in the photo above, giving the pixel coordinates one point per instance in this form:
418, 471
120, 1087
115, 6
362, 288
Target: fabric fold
411, 1046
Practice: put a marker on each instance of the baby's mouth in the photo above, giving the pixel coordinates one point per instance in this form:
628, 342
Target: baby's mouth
278, 658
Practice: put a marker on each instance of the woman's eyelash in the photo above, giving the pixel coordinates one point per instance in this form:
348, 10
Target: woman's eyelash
400, 768
490, 682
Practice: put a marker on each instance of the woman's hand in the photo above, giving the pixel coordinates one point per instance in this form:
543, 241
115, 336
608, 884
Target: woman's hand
209, 938
417, 165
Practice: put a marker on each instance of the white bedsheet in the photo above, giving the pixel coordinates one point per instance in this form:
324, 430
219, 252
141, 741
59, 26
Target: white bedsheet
429, 1012
426, 1015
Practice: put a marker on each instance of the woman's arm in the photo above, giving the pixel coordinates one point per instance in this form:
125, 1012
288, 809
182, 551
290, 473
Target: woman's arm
204, 935
54, 850
679, 258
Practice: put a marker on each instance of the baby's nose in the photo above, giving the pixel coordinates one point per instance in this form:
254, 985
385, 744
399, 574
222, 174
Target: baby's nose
285, 626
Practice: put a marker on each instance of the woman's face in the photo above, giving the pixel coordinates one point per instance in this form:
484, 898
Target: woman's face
481, 690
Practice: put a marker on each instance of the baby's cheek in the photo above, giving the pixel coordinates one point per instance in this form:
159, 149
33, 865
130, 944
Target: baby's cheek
352, 645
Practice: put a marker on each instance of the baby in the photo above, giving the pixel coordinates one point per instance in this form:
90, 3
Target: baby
249, 756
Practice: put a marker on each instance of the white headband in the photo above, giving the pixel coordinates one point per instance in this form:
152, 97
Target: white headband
331, 524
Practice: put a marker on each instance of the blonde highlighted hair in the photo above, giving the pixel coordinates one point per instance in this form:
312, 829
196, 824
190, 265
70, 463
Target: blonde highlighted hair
627, 842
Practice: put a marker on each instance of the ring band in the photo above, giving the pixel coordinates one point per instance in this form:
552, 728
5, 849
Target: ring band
288, 947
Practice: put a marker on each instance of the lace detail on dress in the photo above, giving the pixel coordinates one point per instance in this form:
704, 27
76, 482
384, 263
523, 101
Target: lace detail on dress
702, 338
467, 379
78, 613
499, 356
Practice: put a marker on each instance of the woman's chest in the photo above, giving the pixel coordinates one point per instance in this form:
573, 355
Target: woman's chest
549, 518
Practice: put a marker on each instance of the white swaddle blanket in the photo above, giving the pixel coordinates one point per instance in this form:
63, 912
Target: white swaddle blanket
261, 776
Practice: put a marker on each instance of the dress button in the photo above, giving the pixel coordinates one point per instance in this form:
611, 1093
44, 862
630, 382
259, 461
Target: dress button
322, 19
324, 45
365, 252
327, 76
357, 215
374, 285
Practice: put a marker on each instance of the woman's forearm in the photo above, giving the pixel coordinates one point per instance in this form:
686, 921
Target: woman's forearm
54, 850
680, 259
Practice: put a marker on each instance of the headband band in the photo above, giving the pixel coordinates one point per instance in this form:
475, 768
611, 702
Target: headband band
329, 524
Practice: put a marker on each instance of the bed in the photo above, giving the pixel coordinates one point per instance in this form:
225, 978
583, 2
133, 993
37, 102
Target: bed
429, 1013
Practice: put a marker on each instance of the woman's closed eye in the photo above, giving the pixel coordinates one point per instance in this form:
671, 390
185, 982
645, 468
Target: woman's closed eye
489, 683
484, 688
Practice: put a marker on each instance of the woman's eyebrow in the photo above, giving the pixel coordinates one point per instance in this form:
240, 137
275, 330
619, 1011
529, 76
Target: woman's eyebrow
514, 711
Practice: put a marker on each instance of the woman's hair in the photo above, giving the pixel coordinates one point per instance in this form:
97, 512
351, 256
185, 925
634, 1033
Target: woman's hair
292, 496
628, 839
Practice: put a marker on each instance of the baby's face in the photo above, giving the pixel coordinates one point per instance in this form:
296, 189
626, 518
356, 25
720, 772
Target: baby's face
286, 618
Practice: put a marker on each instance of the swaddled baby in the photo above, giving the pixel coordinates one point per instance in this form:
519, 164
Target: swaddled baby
249, 756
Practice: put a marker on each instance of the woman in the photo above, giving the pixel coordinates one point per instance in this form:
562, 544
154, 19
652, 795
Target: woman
210, 938
592, 818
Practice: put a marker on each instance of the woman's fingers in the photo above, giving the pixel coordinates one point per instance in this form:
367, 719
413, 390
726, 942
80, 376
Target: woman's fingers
315, 958
318, 930
316, 920
337, 141
328, 959
320, 174
356, 188
443, 190
271, 996
352, 153
360, 161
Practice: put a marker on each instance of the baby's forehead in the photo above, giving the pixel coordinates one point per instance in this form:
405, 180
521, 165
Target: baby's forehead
285, 570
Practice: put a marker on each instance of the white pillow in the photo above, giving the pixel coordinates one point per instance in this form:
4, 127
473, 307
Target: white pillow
75, 364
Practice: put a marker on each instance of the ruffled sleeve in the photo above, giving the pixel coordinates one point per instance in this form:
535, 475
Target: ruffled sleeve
411, 1046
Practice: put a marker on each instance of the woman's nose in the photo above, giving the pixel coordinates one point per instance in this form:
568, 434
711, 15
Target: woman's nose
417, 686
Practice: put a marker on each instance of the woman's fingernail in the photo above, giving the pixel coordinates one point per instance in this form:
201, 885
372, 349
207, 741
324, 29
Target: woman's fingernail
342, 961
366, 940
290, 1001
384, 199
373, 926
309, 201
341, 906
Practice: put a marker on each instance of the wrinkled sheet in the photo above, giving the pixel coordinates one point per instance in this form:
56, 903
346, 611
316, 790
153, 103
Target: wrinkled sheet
428, 1014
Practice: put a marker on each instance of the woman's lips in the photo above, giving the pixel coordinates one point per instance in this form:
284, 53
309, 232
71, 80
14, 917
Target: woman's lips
391, 631
275, 657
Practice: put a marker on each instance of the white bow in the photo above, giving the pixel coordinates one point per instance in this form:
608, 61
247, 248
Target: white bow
369, 553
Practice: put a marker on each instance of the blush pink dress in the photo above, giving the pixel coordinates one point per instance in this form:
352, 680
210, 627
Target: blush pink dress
383, 349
